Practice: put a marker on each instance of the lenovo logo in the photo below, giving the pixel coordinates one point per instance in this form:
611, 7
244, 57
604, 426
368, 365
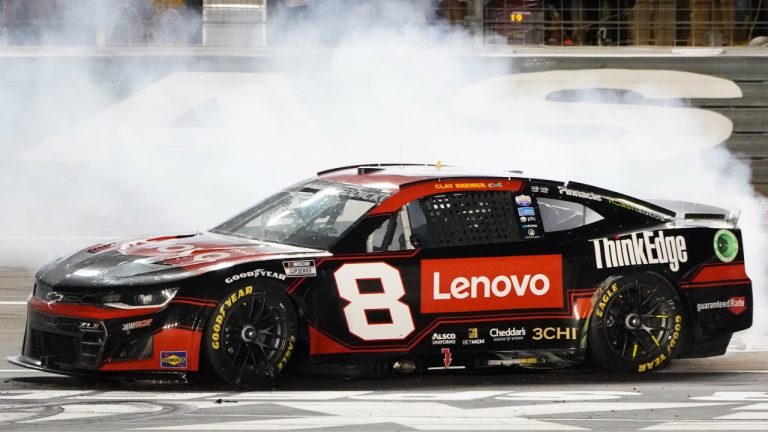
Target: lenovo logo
494, 283
500, 286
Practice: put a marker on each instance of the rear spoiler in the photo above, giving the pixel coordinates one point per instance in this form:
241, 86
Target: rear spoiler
703, 212
671, 209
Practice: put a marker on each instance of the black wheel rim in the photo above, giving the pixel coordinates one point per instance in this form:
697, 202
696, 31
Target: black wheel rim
255, 335
639, 320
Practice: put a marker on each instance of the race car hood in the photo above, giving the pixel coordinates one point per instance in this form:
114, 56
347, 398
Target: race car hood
159, 260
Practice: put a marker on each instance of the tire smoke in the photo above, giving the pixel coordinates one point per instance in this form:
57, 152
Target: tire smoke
91, 152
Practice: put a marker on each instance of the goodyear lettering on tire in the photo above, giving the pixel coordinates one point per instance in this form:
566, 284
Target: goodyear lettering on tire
288, 353
664, 356
603, 300
222, 312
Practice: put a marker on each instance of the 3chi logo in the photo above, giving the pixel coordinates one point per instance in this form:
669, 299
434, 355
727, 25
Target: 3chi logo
554, 333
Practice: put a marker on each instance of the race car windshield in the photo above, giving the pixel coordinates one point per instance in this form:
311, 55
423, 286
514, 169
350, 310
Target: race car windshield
313, 214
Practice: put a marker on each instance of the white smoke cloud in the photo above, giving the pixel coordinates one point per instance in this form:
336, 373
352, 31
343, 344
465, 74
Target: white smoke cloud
363, 82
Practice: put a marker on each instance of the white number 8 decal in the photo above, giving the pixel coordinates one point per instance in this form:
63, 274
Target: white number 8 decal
346, 281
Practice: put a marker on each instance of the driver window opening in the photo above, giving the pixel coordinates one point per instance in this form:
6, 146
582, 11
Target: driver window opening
390, 236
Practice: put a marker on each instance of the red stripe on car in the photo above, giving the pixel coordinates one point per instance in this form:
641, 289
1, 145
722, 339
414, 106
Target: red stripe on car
86, 311
721, 273
419, 190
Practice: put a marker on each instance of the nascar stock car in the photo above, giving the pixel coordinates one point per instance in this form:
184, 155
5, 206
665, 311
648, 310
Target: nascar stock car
386, 268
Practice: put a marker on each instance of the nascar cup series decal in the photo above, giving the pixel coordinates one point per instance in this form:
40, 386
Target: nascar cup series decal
300, 268
497, 283
641, 249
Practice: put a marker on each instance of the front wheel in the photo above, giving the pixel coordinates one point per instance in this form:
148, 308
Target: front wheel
636, 324
251, 335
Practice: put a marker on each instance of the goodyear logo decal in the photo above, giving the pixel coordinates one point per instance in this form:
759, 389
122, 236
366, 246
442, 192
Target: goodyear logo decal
173, 359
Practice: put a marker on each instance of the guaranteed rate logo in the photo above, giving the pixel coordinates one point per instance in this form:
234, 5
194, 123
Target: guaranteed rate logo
494, 283
647, 248
736, 305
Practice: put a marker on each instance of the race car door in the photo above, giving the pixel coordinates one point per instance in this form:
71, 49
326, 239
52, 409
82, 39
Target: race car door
479, 260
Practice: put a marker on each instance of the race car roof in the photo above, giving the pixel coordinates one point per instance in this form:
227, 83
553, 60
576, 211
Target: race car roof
393, 176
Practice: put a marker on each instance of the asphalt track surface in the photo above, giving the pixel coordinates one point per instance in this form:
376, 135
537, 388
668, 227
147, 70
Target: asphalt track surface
723, 393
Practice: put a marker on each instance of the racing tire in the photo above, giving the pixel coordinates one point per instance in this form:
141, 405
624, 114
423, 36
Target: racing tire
636, 324
251, 335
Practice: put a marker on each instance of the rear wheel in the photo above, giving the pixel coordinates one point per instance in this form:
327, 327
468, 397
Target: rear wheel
636, 323
251, 335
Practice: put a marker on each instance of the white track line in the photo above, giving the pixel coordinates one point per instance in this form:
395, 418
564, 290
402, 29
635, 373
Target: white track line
12, 303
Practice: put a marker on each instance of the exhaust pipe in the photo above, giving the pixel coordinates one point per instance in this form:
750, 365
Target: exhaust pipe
405, 366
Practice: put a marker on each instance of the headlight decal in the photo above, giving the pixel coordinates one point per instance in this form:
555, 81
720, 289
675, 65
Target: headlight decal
158, 298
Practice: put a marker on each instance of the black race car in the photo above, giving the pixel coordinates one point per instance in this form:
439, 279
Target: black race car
385, 268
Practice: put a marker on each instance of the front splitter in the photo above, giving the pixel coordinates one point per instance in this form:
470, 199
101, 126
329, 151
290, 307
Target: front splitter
26, 362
